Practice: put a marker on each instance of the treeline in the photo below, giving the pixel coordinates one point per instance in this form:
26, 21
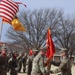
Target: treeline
37, 22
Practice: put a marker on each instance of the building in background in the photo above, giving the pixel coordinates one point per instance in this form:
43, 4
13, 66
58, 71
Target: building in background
11, 47
58, 58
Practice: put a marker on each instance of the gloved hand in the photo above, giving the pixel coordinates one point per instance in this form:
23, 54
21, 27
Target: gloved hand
51, 71
51, 62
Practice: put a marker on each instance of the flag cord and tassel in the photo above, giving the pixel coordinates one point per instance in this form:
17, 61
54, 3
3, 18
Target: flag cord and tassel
21, 3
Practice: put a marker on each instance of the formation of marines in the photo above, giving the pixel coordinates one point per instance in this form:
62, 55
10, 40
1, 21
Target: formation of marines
33, 64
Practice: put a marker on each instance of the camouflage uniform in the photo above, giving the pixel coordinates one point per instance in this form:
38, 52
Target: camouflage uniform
64, 67
29, 64
38, 65
30, 61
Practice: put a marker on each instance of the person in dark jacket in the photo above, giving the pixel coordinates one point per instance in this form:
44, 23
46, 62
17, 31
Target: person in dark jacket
3, 63
13, 65
24, 62
19, 58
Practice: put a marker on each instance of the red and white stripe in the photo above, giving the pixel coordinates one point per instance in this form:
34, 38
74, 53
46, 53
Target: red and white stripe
8, 10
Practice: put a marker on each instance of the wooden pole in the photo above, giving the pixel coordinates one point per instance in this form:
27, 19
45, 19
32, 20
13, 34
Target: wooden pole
48, 66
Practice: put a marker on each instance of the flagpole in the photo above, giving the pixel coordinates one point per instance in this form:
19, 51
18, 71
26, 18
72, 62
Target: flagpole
1, 30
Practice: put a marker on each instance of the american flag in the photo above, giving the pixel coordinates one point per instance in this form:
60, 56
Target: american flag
0, 0
8, 9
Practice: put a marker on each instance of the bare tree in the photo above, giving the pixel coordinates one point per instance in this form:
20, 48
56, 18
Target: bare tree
36, 22
64, 34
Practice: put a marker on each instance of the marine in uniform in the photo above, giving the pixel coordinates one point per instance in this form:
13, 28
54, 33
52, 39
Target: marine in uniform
5, 48
13, 65
38, 67
65, 65
24, 62
30, 61
19, 58
3, 63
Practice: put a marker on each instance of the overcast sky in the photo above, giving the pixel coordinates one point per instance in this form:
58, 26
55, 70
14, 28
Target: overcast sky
68, 7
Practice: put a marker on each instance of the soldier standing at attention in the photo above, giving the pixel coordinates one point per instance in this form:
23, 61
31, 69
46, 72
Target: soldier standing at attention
38, 66
3, 63
5, 48
19, 58
24, 62
30, 61
13, 64
65, 65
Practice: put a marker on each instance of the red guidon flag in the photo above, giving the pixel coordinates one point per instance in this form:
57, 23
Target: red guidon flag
30, 52
50, 45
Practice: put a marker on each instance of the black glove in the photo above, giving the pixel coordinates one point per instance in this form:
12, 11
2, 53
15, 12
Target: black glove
55, 63
52, 62
51, 71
